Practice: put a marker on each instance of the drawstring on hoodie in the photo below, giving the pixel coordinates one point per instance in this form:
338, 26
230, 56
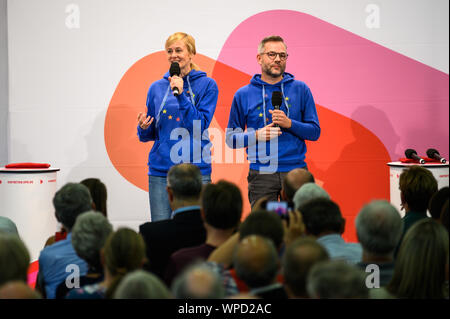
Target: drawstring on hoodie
158, 116
264, 102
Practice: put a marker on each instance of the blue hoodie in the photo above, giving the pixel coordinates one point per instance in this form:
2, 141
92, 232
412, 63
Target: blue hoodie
249, 112
183, 119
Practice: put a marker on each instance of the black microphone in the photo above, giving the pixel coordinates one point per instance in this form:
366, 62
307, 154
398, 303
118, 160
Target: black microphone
412, 154
277, 99
175, 70
432, 153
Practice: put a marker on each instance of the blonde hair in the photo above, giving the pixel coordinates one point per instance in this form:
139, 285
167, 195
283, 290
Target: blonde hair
188, 40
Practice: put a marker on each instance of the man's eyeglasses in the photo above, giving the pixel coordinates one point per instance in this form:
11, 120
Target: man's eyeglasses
272, 55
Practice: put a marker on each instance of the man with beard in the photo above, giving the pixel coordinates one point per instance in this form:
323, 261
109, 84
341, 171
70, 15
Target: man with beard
279, 114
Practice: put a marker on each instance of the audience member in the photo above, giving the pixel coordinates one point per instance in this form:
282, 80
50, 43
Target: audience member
307, 192
422, 263
69, 202
323, 220
379, 228
185, 229
198, 281
124, 252
89, 235
256, 263
294, 179
8, 226
298, 259
98, 194
141, 284
14, 258
18, 290
221, 212
444, 215
437, 201
336, 279
417, 185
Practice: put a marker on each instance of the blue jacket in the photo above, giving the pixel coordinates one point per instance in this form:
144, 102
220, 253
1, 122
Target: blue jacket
249, 112
179, 125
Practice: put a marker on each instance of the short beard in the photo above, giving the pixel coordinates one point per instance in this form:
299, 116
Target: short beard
268, 71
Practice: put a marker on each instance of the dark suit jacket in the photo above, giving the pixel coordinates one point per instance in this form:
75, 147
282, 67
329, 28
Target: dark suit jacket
162, 238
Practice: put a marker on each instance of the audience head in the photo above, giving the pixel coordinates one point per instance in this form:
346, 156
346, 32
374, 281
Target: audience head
18, 290
307, 192
336, 279
98, 194
256, 261
198, 281
14, 259
184, 183
124, 251
437, 201
8, 226
263, 223
69, 202
322, 216
141, 284
293, 181
420, 266
298, 259
222, 205
417, 185
89, 235
379, 228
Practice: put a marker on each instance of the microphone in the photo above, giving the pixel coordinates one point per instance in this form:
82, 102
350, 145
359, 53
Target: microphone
432, 153
412, 154
277, 99
175, 70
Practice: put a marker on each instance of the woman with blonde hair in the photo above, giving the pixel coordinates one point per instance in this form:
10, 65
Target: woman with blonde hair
421, 267
179, 110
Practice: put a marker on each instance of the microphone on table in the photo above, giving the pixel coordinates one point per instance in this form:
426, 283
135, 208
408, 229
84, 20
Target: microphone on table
175, 70
277, 100
432, 153
412, 154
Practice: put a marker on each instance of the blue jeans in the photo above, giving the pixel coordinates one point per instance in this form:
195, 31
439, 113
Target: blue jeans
159, 200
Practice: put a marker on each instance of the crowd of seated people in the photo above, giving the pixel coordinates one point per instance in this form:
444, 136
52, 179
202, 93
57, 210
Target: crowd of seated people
207, 251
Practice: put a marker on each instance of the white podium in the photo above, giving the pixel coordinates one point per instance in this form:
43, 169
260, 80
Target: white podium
439, 171
26, 197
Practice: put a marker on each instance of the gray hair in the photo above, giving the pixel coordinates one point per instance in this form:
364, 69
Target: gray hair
336, 279
70, 201
308, 192
379, 227
141, 284
272, 38
8, 226
14, 258
198, 281
89, 235
185, 180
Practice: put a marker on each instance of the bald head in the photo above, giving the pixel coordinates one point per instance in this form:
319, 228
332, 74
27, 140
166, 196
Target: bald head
17, 290
256, 261
293, 181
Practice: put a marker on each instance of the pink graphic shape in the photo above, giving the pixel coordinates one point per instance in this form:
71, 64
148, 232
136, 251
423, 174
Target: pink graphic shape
403, 102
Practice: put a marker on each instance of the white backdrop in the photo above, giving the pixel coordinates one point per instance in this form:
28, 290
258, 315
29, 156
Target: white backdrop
67, 57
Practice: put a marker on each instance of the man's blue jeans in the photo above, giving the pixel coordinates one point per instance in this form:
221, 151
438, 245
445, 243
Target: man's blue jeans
159, 200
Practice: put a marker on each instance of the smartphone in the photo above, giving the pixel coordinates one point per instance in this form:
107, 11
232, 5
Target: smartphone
281, 208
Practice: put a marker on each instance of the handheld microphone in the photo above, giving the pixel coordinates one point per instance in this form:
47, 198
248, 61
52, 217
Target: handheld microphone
175, 70
412, 154
277, 99
432, 153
